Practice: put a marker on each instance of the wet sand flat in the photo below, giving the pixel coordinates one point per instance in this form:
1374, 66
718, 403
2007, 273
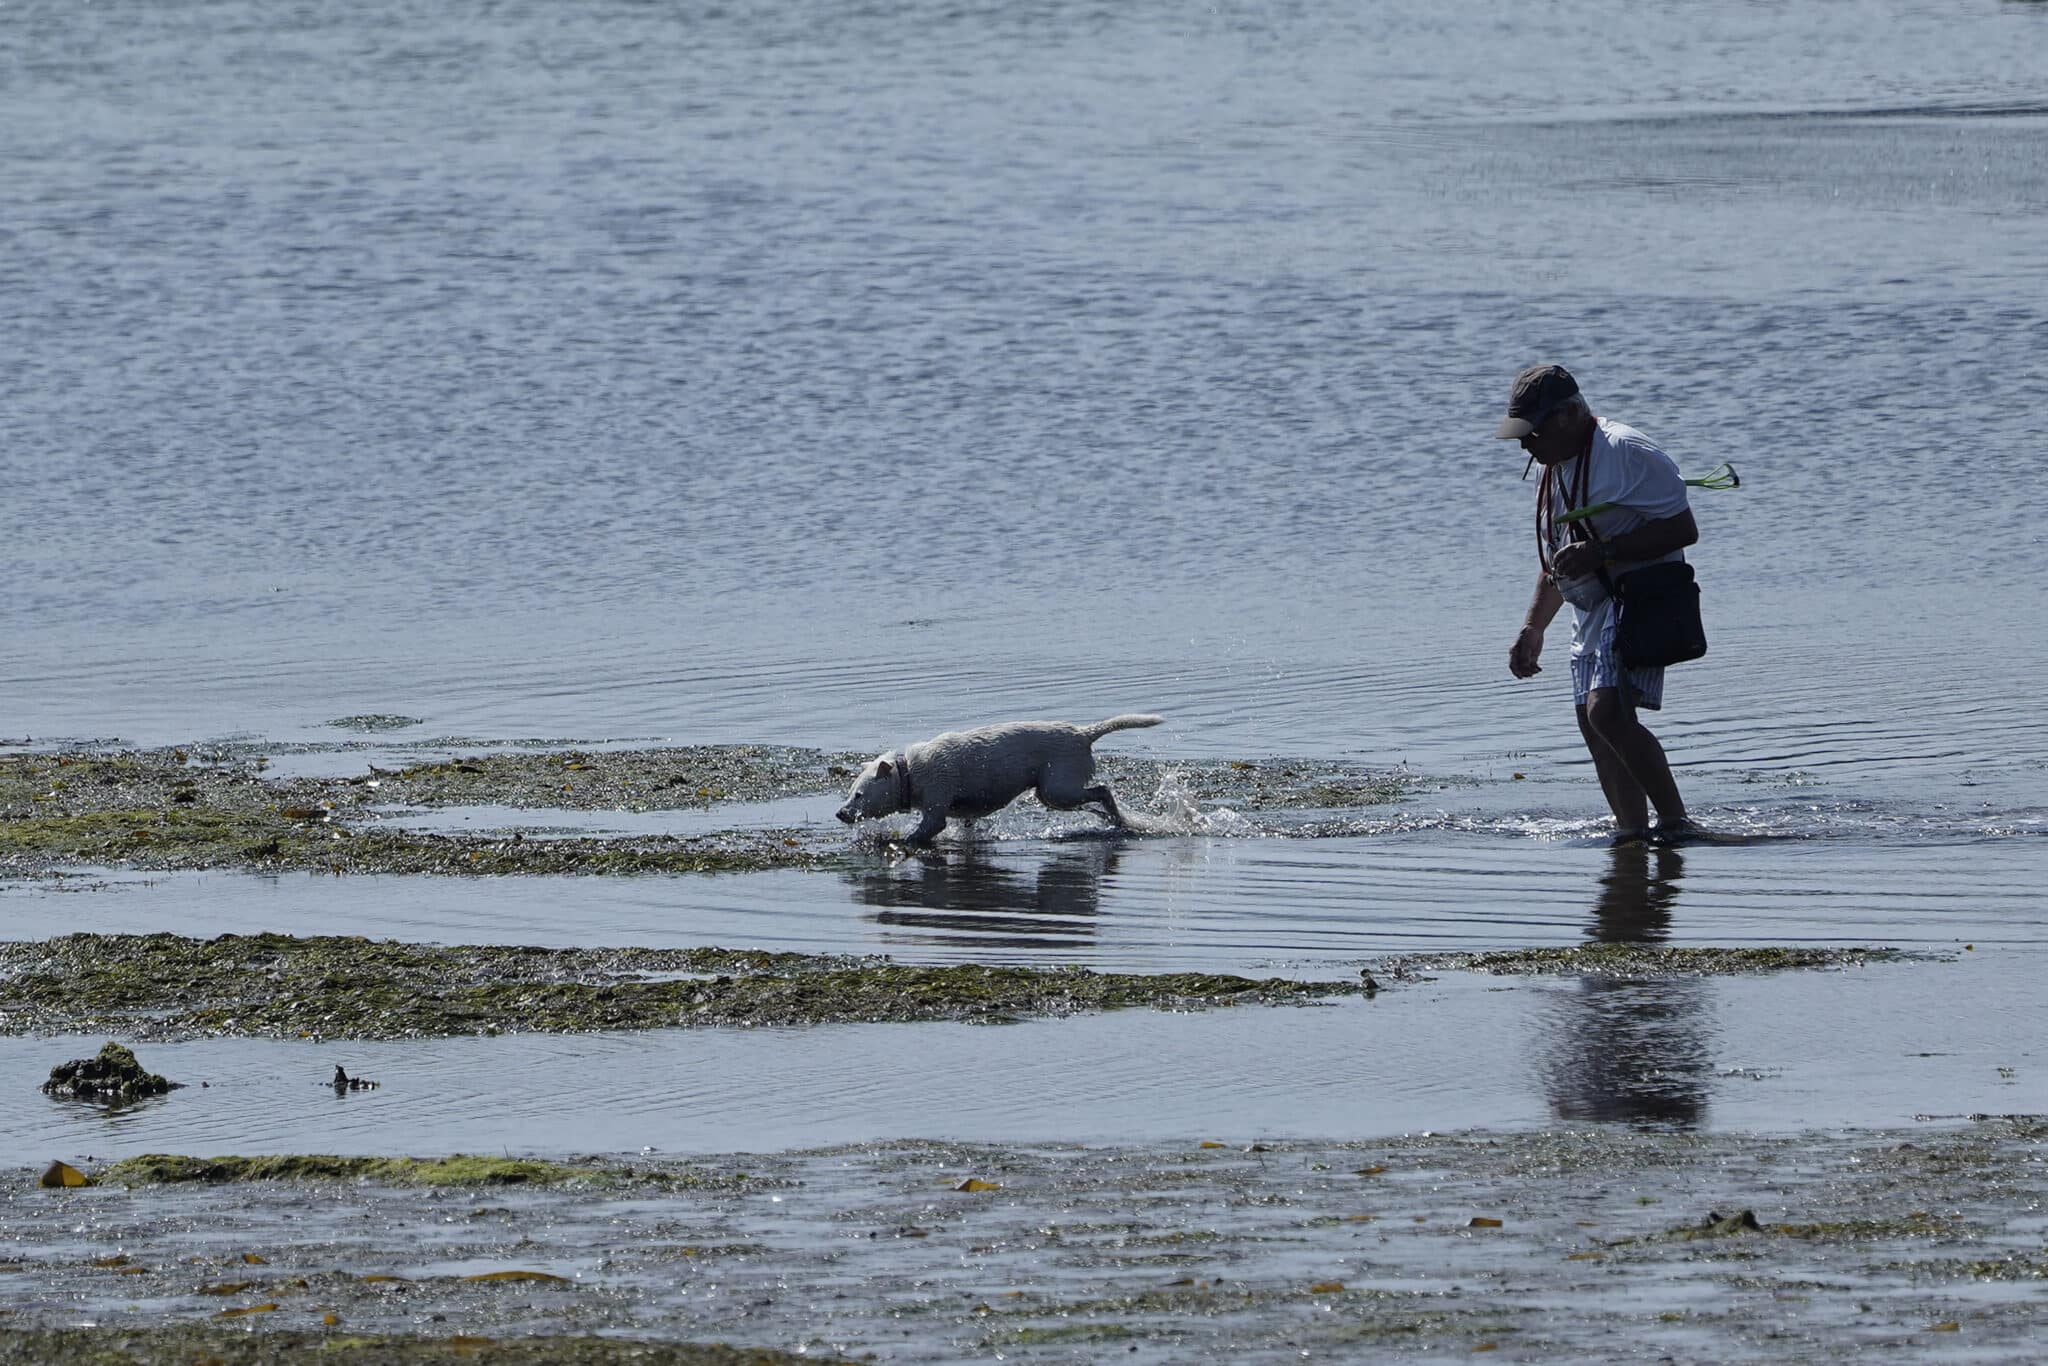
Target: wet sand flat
1562, 1245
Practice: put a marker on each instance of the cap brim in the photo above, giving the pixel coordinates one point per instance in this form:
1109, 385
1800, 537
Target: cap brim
1515, 428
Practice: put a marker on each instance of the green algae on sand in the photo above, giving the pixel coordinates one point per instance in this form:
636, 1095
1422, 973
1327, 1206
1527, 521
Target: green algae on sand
304, 839
454, 1170
165, 986
160, 809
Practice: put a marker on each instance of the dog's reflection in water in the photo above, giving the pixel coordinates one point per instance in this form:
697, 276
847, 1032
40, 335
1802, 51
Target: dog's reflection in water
1039, 899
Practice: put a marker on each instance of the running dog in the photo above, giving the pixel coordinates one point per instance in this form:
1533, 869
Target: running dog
974, 773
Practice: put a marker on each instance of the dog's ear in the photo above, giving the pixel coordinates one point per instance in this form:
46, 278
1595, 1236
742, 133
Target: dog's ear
882, 767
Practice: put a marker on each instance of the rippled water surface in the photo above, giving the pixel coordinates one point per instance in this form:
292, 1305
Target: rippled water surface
819, 375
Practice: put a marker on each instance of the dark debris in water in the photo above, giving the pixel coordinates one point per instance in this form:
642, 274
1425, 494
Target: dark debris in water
163, 986
1644, 960
342, 1082
370, 722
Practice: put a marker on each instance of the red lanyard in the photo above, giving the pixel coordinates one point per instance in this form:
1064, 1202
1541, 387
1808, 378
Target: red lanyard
1546, 512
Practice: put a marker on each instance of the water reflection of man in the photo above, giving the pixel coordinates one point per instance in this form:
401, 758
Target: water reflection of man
1633, 1051
1636, 896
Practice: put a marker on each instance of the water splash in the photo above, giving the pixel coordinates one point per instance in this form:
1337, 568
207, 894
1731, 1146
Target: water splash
1173, 810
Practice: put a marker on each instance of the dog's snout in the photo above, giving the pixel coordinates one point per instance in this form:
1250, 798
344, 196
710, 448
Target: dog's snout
845, 814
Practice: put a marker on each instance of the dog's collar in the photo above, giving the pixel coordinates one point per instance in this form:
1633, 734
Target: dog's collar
906, 795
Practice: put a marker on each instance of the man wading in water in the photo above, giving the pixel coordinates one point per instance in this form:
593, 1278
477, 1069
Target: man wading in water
1588, 460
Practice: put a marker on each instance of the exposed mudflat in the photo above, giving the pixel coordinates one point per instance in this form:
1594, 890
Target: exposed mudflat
173, 809
163, 986
1917, 1245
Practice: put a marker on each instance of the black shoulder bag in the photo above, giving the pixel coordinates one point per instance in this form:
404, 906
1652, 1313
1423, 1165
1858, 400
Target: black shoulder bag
1657, 615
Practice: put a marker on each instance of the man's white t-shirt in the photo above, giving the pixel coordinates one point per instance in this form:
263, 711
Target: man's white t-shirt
1625, 468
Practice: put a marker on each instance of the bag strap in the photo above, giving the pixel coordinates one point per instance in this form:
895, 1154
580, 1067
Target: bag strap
1574, 496
1579, 499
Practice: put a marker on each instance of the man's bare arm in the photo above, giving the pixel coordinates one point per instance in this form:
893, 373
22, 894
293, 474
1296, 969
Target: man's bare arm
1653, 540
1650, 541
1528, 646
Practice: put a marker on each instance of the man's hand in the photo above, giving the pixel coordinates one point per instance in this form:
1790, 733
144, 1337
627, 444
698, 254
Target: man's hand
1577, 560
1523, 653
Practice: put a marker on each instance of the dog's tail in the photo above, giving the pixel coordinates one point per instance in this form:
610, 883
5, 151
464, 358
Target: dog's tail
1128, 721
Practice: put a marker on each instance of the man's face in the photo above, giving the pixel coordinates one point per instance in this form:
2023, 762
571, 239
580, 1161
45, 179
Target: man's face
1557, 439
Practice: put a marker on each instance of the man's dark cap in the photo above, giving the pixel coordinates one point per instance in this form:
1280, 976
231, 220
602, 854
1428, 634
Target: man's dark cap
1536, 394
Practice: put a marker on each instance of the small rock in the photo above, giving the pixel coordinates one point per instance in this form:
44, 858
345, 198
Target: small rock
1719, 1225
112, 1075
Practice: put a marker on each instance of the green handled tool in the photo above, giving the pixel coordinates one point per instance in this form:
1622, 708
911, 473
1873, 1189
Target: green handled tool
1722, 476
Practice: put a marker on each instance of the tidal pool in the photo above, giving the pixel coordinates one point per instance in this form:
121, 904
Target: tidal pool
1873, 1046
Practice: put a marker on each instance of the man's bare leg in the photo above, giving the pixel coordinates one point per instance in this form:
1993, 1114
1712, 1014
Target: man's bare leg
1625, 797
1610, 724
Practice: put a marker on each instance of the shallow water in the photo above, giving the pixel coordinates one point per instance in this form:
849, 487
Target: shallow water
1871, 1046
803, 375
1874, 1046
790, 374
1159, 904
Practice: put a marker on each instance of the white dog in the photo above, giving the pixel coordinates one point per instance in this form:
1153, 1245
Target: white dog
971, 773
